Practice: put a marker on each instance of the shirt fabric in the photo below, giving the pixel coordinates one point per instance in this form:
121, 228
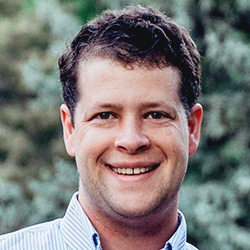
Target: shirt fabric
75, 232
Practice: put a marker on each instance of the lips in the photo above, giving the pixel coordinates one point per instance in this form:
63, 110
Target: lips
135, 170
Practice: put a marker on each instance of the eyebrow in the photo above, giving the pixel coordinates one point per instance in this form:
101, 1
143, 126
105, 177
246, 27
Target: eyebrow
152, 104
156, 105
107, 106
143, 105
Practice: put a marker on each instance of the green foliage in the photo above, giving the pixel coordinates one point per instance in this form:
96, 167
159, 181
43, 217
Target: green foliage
84, 9
51, 193
14, 208
31, 200
30, 130
9, 8
37, 178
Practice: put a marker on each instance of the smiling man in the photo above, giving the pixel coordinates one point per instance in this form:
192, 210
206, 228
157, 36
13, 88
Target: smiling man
131, 119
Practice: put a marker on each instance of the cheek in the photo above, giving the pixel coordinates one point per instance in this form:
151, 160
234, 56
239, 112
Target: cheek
175, 146
171, 138
91, 144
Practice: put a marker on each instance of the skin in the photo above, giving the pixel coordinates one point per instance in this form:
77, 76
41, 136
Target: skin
130, 118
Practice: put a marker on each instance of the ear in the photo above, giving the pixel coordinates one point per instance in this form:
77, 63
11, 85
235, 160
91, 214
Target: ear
194, 125
68, 129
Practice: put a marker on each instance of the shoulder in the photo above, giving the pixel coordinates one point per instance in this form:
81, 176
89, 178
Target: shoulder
190, 247
40, 234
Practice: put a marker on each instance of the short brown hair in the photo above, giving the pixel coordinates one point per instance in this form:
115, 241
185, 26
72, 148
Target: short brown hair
139, 36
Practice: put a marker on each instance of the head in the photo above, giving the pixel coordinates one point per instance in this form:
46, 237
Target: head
135, 36
130, 79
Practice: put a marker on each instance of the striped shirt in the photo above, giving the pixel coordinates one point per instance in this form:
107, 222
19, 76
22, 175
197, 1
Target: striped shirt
74, 232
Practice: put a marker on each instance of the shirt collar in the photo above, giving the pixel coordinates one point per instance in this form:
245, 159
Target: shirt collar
178, 239
78, 231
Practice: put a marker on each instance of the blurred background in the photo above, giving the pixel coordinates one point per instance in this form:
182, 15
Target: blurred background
37, 178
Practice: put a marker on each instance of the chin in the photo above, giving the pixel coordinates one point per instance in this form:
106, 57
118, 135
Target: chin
139, 210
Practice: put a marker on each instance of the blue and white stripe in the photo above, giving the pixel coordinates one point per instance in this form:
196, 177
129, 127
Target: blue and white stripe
74, 232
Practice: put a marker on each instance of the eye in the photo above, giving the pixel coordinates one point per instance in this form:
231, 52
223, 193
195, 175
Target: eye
105, 115
156, 115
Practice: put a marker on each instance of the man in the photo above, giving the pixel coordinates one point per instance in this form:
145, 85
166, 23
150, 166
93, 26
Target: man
131, 119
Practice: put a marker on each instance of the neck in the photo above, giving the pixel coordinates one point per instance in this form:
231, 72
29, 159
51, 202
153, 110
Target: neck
144, 233
143, 236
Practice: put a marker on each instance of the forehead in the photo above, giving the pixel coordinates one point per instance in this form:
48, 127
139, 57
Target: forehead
109, 77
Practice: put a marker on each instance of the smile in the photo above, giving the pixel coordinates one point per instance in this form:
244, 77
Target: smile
133, 171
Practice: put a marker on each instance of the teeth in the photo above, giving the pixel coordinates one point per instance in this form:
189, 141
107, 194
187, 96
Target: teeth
137, 171
131, 171
142, 170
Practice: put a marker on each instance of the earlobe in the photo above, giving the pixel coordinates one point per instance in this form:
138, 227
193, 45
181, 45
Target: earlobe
68, 129
194, 125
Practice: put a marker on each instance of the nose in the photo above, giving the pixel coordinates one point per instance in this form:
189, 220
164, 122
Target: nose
130, 139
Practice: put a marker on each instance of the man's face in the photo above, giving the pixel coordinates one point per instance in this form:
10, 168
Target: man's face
131, 138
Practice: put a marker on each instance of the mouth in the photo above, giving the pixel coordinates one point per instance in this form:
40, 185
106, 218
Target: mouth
133, 171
